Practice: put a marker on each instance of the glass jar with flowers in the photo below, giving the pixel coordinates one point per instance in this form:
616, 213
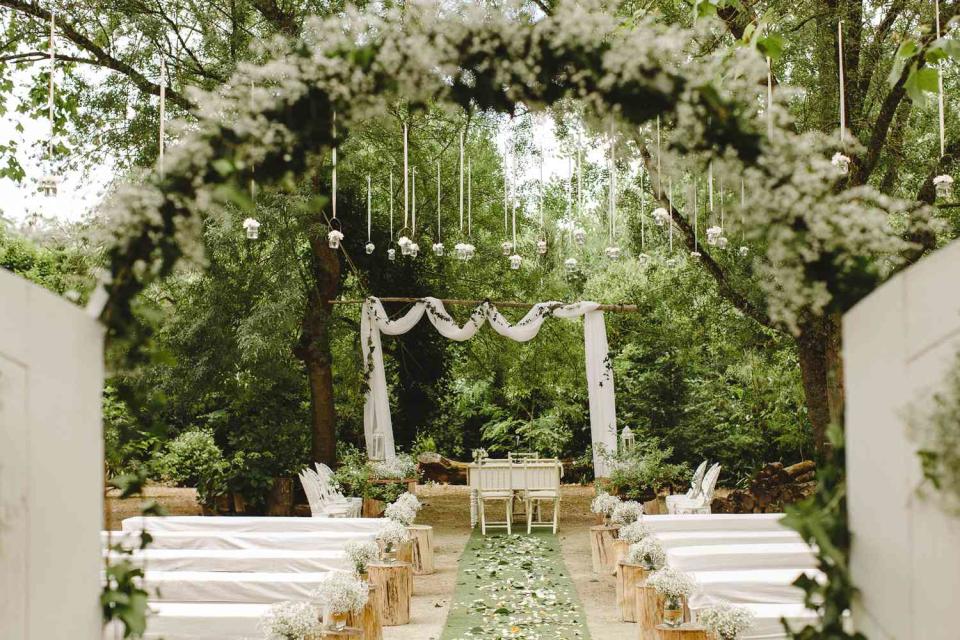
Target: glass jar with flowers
360, 553
674, 587
339, 594
725, 621
602, 506
391, 536
648, 553
290, 621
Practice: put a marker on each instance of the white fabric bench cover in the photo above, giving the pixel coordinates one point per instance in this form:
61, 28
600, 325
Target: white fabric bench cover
228, 586
202, 621
251, 524
237, 560
674, 539
326, 540
715, 522
773, 586
723, 557
766, 622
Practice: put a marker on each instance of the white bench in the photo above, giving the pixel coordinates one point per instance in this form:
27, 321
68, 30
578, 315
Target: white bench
723, 557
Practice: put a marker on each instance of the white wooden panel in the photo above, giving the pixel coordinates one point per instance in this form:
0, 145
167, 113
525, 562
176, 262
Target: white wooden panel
58, 351
13, 499
898, 344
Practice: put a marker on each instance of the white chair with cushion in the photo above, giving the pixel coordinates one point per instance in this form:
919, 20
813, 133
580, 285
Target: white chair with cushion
693, 492
495, 484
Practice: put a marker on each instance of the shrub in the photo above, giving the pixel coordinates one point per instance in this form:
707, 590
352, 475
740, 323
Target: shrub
641, 473
190, 459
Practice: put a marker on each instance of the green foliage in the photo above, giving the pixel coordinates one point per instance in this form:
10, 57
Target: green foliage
57, 263
937, 430
190, 458
640, 473
356, 477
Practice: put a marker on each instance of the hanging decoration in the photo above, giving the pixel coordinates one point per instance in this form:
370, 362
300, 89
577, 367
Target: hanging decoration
516, 259
612, 251
643, 258
251, 225
696, 248
542, 239
722, 241
943, 184
506, 247
438, 245
406, 244
744, 249
713, 232
161, 134
414, 247
570, 264
50, 182
369, 247
336, 231
579, 233
465, 250
672, 261
391, 251
840, 160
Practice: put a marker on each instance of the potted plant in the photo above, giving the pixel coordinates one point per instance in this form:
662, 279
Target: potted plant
725, 621
290, 621
339, 595
674, 587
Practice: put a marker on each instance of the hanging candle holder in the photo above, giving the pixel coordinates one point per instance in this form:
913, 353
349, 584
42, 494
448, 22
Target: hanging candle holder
660, 216
50, 185
369, 248
613, 253
580, 236
414, 249
695, 255
252, 227
643, 259
570, 264
438, 249
515, 261
713, 235
406, 244
542, 247
506, 247
336, 235
841, 162
743, 250
392, 254
722, 242
672, 263
943, 184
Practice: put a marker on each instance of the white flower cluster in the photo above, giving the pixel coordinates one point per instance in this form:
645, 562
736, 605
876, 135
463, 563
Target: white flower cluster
341, 592
400, 467
604, 504
410, 500
633, 532
360, 553
672, 583
290, 621
725, 620
647, 552
627, 512
401, 512
393, 534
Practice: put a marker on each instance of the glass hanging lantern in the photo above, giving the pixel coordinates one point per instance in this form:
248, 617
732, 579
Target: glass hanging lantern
643, 259
627, 439
50, 185
743, 250
515, 261
660, 216
438, 249
542, 247
613, 253
335, 237
461, 250
406, 245
471, 251
722, 242
414, 249
369, 248
695, 254
713, 234
570, 264
672, 263
252, 227
841, 162
392, 254
943, 184
579, 236
506, 247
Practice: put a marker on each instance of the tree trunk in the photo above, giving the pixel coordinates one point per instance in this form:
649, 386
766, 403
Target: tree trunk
821, 368
313, 347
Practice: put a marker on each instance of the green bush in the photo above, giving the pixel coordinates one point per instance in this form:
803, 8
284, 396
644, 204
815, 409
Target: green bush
191, 458
641, 473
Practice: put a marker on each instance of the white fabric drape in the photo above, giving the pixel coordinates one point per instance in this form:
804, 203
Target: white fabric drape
600, 388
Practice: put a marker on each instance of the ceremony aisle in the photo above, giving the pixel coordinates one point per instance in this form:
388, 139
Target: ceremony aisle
514, 587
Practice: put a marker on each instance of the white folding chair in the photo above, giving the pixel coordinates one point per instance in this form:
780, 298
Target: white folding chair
322, 505
495, 484
541, 483
326, 475
701, 504
693, 492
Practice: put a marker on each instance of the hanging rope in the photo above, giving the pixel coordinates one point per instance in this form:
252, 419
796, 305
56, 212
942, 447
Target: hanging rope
659, 173
369, 226
721, 204
391, 206
51, 91
843, 100
940, 104
769, 98
334, 178
695, 217
579, 211
506, 189
710, 186
540, 198
469, 198
613, 186
406, 188
413, 203
163, 111
438, 201
670, 211
461, 183
513, 215
643, 204
253, 167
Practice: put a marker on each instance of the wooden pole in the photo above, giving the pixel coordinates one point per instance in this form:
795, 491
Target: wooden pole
503, 304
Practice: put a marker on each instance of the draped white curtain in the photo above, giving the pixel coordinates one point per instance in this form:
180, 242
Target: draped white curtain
374, 321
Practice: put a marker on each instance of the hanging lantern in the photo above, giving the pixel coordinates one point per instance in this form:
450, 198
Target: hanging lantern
334, 238
660, 216
406, 245
944, 186
392, 254
377, 453
414, 249
515, 261
506, 247
722, 242
713, 234
743, 250
627, 439
438, 249
461, 250
612, 253
50, 185
252, 227
369, 248
672, 263
841, 162
542, 247
471, 251
570, 264
695, 254
643, 258
579, 236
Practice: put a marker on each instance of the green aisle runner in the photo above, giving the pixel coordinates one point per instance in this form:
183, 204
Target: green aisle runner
514, 587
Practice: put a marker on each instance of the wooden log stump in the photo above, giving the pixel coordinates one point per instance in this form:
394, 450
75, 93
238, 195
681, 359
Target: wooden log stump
346, 632
629, 576
372, 508
685, 632
618, 554
405, 552
422, 539
601, 547
368, 620
394, 587
648, 610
